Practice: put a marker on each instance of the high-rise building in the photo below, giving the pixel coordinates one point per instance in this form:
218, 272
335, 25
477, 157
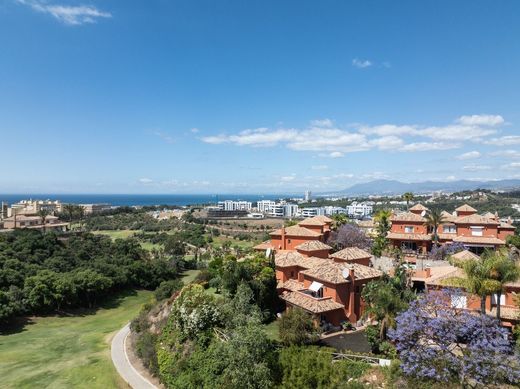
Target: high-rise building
307, 195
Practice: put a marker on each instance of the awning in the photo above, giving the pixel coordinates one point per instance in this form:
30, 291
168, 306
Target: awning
315, 286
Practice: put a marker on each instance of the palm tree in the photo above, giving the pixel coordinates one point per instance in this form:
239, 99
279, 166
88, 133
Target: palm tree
43, 213
503, 271
478, 280
339, 219
382, 218
408, 196
433, 220
69, 209
81, 214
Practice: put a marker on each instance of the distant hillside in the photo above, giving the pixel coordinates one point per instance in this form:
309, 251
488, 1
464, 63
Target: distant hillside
392, 187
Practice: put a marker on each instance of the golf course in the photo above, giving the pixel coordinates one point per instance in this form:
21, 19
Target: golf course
69, 350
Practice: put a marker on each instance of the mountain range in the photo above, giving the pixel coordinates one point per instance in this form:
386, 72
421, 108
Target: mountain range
393, 187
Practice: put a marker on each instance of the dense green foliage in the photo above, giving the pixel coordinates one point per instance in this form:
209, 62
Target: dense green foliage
297, 328
44, 272
311, 367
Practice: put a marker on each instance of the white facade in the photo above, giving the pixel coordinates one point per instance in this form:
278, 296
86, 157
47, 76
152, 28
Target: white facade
307, 195
230, 205
359, 209
330, 210
265, 206
313, 211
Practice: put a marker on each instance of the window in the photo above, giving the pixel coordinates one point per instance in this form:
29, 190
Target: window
502, 299
288, 241
449, 229
458, 301
477, 231
319, 293
292, 274
408, 229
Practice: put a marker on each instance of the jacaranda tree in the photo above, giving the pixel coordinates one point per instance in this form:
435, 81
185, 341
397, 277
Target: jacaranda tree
435, 341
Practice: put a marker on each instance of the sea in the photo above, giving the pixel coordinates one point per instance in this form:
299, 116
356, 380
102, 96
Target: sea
141, 199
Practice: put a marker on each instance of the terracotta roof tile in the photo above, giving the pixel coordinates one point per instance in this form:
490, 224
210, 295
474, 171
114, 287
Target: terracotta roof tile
351, 254
465, 255
292, 285
294, 258
479, 240
309, 303
419, 207
465, 208
475, 219
296, 231
264, 246
313, 245
319, 220
509, 313
333, 272
407, 217
397, 235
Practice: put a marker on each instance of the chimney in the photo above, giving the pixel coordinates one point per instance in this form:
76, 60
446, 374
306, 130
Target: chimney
284, 245
352, 295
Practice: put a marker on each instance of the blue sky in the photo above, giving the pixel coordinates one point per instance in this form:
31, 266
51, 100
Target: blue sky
164, 96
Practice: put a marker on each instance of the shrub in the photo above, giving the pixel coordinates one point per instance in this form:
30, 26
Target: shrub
167, 288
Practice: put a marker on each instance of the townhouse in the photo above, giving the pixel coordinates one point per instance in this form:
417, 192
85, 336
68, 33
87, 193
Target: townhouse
442, 277
328, 286
477, 232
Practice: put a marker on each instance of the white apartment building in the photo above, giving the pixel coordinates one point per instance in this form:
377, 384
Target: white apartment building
359, 210
312, 211
330, 210
265, 206
230, 205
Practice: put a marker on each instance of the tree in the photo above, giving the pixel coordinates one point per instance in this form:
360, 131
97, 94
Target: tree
69, 210
433, 220
349, 235
297, 328
382, 220
502, 271
386, 298
43, 213
441, 343
338, 220
408, 196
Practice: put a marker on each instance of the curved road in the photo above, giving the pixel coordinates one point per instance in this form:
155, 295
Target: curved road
122, 363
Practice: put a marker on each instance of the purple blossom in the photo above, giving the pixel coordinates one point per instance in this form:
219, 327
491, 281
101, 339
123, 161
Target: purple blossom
442, 343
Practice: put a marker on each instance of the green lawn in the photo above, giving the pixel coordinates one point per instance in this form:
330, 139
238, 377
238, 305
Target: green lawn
272, 329
116, 234
218, 241
66, 352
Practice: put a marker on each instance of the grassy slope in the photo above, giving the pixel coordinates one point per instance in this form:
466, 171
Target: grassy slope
65, 352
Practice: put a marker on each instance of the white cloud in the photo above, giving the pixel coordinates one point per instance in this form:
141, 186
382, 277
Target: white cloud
145, 180
322, 123
451, 178
506, 153
254, 137
361, 63
469, 155
427, 146
67, 14
388, 129
504, 140
481, 120
387, 143
324, 137
475, 168
456, 132
287, 178
511, 166
194, 130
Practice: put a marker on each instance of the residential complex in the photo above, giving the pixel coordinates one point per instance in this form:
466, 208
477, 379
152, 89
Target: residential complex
477, 232
439, 277
26, 214
326, 285
230, 205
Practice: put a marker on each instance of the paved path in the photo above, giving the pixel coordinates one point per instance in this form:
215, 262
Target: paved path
122, 363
